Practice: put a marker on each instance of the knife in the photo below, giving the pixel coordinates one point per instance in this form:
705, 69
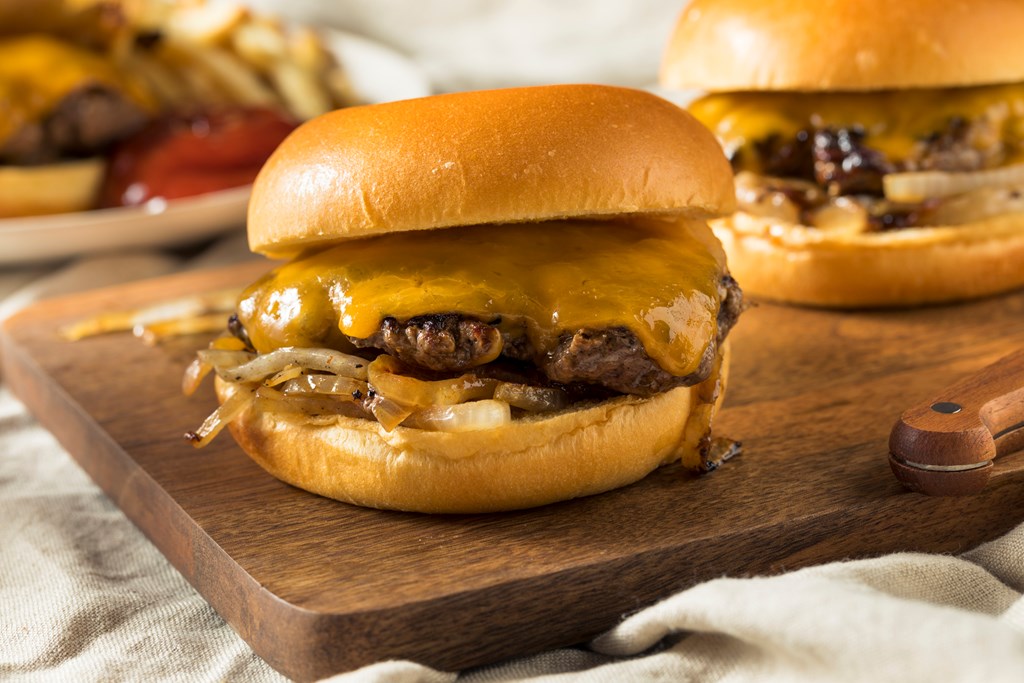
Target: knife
946, 447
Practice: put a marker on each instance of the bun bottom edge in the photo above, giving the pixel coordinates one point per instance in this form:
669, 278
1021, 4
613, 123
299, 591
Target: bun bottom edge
527, 463
888, 270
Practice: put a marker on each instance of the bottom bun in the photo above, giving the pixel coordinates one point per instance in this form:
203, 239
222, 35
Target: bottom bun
802, 265
51, 188
529, 462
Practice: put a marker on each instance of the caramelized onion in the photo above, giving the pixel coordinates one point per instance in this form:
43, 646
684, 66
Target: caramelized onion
288, 373
224, 358
534, 399
384, 377
219, 418
464, 417
325, 384
840, 215
921, 185
389, 413
318, 408
323, 360
195, 373
975, 205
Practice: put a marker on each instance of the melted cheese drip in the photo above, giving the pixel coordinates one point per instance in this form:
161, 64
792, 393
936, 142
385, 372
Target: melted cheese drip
895, 120
38, 71
541, 279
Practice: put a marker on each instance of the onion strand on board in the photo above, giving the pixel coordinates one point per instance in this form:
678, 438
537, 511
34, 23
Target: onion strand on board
166, 313
918, 186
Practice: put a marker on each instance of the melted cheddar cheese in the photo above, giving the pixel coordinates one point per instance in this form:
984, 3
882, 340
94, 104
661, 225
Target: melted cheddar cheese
894, 121
659, 279
38, 71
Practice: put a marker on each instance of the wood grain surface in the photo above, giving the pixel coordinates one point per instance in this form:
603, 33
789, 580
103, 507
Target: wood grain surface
317, 586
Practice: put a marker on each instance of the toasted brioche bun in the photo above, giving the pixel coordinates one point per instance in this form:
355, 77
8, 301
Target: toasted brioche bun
50, 188
814, 45
497, 156
802, 265
529, 462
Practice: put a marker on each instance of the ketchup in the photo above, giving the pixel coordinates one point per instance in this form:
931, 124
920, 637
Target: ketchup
185, 155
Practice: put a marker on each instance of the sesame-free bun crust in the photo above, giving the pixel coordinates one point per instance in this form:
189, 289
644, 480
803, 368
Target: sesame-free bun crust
527, 463
494, 156
802, 265
725, 45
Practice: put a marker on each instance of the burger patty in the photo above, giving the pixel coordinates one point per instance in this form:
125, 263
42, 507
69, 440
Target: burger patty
816, 166
840, 162
84, 123
612, 358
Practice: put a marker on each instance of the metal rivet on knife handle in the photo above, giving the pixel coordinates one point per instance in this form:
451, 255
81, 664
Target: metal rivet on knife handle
946, 447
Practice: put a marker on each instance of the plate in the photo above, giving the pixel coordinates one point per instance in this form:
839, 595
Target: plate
377, 74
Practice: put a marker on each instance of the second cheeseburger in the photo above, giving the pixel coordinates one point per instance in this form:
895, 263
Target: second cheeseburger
878, 145
495, 300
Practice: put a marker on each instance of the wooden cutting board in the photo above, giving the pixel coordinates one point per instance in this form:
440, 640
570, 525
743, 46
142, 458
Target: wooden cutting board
318, 587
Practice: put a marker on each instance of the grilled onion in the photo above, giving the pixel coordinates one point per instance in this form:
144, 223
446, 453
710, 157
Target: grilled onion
389, 413
921, 185
325, 384
317, 408
534, 399
464, 417
323, 360
384, 377
220, 417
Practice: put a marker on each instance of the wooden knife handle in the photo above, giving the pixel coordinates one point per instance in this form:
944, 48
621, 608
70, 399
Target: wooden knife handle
945, 447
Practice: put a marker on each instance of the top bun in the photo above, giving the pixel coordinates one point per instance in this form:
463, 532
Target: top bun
493, 156
721, 45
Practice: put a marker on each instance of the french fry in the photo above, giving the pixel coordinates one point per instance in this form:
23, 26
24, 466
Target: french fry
162, 80
194, 53
302, 93
238, 81
260, 44
206, 24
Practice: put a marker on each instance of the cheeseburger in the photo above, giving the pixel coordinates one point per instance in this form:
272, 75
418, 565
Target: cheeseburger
878, 146
63, 104
494, 300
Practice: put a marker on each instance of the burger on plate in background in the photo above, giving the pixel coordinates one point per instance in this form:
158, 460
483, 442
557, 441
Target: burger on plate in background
62, 105
495, 300
878, 146
107, 103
